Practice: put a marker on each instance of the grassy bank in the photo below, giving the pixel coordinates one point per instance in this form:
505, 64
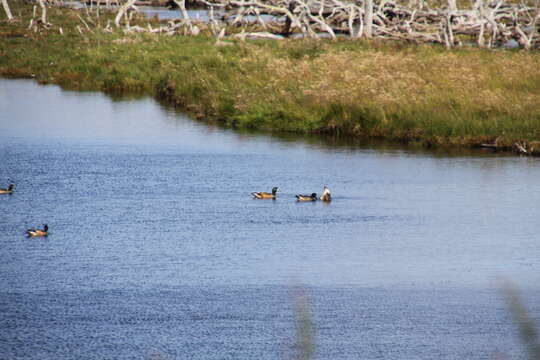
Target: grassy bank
422, 94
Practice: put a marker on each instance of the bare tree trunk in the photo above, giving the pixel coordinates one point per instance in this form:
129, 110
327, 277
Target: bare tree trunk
479, 6
121, 11
369, 19
43, 12
7, 10
182, 5
193, 29
351, 23
449, 29
214, 25
452, 5
288, 21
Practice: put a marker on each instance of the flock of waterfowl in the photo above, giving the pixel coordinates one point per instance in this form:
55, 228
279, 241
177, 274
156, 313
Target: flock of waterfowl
326, 196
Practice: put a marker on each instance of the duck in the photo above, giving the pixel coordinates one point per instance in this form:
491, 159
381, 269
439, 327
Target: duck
312, 197
38, 232
9, 189
326, 196
265, 195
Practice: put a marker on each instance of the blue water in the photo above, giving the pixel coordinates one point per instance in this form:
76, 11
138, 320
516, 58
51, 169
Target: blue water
164, 13
156, 249
203, 15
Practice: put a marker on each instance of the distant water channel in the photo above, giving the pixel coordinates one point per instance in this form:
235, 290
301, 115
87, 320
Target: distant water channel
164, 13
156, 249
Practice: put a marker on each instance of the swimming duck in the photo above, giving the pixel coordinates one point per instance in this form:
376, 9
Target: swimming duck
265, 195
326, 194
9, 189
38, 232
312, 197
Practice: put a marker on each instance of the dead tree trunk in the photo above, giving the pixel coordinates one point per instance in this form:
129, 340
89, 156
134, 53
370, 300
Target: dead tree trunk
288, 22
7, 10
182, 6
368, 22
121, 11
194, 30
43, 12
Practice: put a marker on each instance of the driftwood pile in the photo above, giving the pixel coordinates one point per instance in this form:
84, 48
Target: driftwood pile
489, 23
486, 23
494, 23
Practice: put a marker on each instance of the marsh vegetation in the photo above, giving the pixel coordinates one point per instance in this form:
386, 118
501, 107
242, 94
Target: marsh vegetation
414, 93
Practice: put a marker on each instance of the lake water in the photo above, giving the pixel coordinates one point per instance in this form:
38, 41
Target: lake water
156, 249
165, 13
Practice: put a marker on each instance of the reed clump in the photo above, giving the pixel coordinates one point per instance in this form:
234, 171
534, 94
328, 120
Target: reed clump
398, 91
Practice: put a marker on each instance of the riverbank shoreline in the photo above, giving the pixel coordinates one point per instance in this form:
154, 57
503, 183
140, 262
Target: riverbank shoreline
415, 94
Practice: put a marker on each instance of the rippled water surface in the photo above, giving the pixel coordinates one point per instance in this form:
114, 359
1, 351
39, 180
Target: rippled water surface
157, 249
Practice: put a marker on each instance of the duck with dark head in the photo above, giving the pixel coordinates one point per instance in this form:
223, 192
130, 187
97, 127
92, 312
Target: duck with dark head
265, 195
9, 189
312, 197
38, 232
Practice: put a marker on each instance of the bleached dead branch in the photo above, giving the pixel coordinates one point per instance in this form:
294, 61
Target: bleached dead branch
491, 22
488, 23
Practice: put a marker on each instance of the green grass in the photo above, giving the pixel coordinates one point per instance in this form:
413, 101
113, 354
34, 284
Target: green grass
389, 90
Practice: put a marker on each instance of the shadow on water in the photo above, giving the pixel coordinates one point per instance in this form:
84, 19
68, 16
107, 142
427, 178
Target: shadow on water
526, 325
337, 142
